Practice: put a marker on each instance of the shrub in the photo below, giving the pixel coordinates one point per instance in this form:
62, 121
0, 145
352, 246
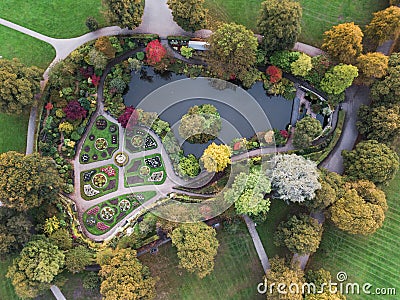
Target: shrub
155, 52
140, 55
306, 131
301, 66
74, 111
92, 24
118, 84
186, 52
275, 74
127, 115
284, 59
189, 166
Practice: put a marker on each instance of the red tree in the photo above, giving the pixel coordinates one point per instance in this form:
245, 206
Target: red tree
74, 111
129, 117
155, 52
275, 74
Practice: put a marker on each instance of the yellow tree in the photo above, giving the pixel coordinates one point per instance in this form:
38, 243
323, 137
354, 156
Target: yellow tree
373, 65
216, 157
385, 25
343, 42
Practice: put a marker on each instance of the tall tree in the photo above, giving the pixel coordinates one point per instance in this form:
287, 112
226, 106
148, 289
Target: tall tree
77, 259
18, 86
306, 130
197, 247
232, 51
338, 79
28, 180
387, 91
280, 24
343, 42
124, 277
361, 210
294, 178
248, 191
123, 13
385, 25
189, 14
371, 160
216, 157
15, 230
35, 268
373, 65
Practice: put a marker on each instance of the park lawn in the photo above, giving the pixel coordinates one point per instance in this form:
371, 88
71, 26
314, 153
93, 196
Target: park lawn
372, 259
30, 51
6, 288
279, 211
236, 274
54, 18
13, 132
318, 16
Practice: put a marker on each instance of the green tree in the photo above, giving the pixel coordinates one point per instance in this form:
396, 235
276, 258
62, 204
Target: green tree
200, 124
216, 157
123, 13
281, 273
381, 123
77, 259
62, 238
294, 178
15, 230
197, 247
387, 91
371, 160
189, 166
302, 65
103, 44
189, 14
232, 51
361, 210
18, 86
373, 65
35, 268
300, 234
306, 130
30, 180
97, 59
343, 42
280, 24
385, 25
92, 24
248, 191
339, 78
124, 277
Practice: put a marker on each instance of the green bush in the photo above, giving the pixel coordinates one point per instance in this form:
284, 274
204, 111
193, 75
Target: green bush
140, 55
284, 59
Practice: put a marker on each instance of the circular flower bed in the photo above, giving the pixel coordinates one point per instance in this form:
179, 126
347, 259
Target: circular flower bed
137, 141
101, 124
121, 159
99, 180
90, 221
112, 128
107, 213
101, 144
124, 205
91, 137
95, 157
85, 158
144, 171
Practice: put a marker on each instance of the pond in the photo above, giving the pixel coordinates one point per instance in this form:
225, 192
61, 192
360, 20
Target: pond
243, 113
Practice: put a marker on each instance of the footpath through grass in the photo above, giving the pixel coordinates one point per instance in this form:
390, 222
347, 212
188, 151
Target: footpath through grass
13, 132
318, 16
373, 259
236, 274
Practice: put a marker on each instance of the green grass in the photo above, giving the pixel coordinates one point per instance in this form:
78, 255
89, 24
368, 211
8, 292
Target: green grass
236, 274
6, 288
13, 131
372, 259
278, 212
318, 16
55, 18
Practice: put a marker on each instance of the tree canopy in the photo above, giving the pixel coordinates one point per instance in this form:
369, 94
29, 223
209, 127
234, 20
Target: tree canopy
232, 51
216, 157
248, 191
29, 180
124, 277
343, 42
189, 14
361, 210
371, 160
339, 78
385, 25
189, 166
15, 230
280, 24
306, 130
300, 234
387, 90
123, 13
197, 247
373, 65
294, 178
77, 259
18, 86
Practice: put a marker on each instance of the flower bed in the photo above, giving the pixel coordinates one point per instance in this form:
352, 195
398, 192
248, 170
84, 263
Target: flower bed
139, 140
150, 171
104, 216
99, 182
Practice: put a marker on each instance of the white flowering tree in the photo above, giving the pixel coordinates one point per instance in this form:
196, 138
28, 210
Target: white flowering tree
295, 178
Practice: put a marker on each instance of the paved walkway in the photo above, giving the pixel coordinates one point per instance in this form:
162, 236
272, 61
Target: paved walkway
31, 135
57, 293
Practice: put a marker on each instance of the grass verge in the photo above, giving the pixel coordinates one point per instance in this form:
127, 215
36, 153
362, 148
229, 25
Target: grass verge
13, 132
6, 288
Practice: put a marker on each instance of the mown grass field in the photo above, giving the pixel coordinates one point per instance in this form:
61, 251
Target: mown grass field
318, 16
13, 131
236, 274
373, 259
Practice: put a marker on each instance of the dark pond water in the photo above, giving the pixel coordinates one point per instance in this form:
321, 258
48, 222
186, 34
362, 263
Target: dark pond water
241, 120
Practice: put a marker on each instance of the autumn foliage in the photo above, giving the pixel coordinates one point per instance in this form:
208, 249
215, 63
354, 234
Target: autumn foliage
155, 52
129, 113
275, 74
74, 111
